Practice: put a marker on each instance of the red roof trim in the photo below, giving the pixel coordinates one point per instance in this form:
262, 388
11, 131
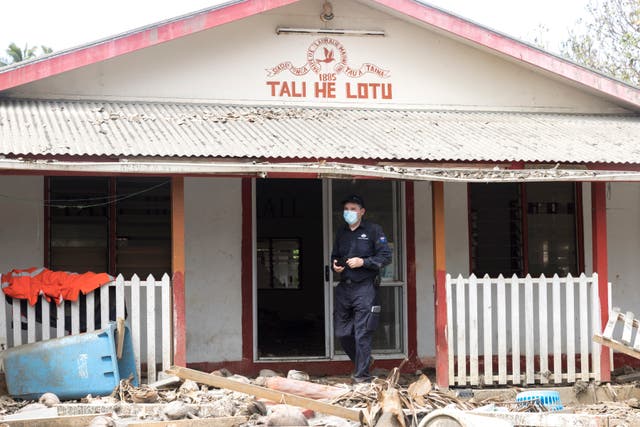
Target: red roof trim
149, 36
514, 49
437, 18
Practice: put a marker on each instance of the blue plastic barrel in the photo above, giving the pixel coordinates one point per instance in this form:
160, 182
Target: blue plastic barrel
548, 398
71, 366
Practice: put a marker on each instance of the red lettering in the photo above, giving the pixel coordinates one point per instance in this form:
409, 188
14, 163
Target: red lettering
363, 90
273, 87
331, 90
284, 90
374, 90
386, 94
349, 94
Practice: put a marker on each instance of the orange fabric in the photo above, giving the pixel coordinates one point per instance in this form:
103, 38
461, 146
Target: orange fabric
61, 286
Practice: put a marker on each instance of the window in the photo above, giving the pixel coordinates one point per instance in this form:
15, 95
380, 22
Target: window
523, 229
278, 263
383, 206
114, 225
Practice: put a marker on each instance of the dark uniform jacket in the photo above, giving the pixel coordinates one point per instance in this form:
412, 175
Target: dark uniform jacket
367, 242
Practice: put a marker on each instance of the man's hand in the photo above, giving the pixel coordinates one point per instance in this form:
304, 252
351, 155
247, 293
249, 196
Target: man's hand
336, 267
355, 262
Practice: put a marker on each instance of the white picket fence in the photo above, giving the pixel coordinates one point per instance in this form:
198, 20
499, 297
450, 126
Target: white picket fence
146, 303
511, 317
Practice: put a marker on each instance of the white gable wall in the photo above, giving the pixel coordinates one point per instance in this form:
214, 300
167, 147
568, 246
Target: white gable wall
228, 64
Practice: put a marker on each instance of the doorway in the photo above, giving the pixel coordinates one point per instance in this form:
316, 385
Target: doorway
290, 269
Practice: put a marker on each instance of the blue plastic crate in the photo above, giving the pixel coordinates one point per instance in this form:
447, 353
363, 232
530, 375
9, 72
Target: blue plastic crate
548, 398
71, 366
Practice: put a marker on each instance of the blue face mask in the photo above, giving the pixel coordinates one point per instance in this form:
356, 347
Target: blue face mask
351, 217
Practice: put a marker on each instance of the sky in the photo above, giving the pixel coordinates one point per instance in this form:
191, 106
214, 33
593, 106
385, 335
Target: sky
62, 24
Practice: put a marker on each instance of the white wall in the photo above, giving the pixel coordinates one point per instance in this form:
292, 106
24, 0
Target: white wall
213, 230
229, 63
623, 238
21, 222
456, 228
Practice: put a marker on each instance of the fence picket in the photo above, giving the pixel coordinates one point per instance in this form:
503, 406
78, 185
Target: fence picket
31, 323
90, 306
557, 331
571, 349
75, 317
543, 330
584, 328
151, 328
461, 308
46, 325
166, 322
529, 332
120, 297
488, 329
515, 328
60, 320
448, 284
473, 330
502, 331
17, 323
104, 305
135, 319
597, 326
4, 342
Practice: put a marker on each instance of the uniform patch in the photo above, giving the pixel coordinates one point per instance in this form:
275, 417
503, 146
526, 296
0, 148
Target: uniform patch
363, 236
383, 239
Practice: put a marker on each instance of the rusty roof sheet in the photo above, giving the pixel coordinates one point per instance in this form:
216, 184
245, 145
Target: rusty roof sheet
81, 128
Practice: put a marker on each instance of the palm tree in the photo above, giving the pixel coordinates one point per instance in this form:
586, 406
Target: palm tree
15, 54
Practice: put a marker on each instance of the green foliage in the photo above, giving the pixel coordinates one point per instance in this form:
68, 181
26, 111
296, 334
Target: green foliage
608, 40
16, 54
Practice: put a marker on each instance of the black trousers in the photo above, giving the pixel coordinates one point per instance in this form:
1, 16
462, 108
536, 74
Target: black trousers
355, 322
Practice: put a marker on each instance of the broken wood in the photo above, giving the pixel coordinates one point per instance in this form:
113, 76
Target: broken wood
62, 421
204, 422
265, 393
624, 344
617, 346
120, 338
304, 388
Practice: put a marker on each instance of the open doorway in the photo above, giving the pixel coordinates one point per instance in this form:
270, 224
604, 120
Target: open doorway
290, 275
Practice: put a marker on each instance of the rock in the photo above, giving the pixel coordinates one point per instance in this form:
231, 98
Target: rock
634, 403
297, 375
144, 394
256, 407
240, 378
261, 381
223, 372
102, 421
49, 399
580, 387
188, 387
177, 410
267, 373
285, 415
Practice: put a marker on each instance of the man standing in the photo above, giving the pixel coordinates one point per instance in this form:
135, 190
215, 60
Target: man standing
360, 251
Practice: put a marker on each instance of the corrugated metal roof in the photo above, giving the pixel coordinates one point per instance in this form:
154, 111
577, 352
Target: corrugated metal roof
79, 128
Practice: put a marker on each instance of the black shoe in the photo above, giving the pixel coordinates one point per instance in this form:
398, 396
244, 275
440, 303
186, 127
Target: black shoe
362, 380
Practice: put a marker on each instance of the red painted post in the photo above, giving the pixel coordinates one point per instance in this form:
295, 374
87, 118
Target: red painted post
178, 267
247, 270
412, 322
600, 262
440, 271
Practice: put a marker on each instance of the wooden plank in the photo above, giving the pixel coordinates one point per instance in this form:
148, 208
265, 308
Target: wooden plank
166, 321
204, 422
543, 329
120, 331
584, 327
502, 331
151, 329
461, 308
488, 329
596, 327
515, 329
557, 330
31, 323
627, 328
178, 270
474, 379
265, 393
62, 421
60, 320
528, 340
450, 354
75, 317
571, 343
90, 304
617, 346
16, 322
611, 323
104, 305
136, 326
